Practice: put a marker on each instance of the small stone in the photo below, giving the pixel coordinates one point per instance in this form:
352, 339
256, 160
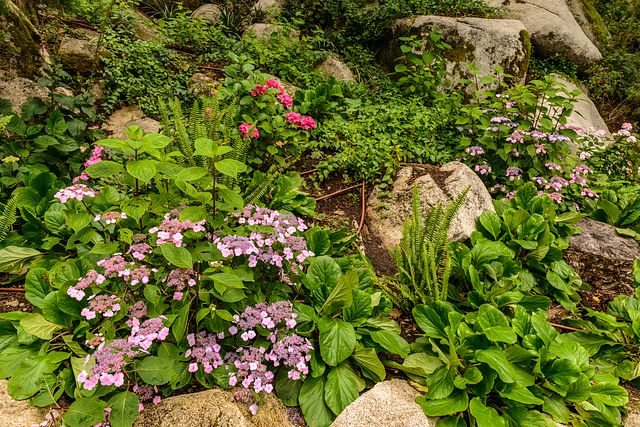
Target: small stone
264, 31
201, 84
78, 55
336, 68
121, 119
20, 90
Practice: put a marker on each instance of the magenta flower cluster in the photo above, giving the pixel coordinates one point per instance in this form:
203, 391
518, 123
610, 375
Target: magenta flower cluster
279, 247
171, 228
96, 156
75, 191
244, 129
180, 279
285, 99
303, 122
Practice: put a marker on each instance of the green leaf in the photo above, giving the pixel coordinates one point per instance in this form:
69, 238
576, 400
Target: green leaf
85, 412
315, 410
522, 395
562, 372
391, 342
25, 381
38, 326
337, 340
495, 325
429, 321
180, 257
360, 309
440, 384
104, 169
14, 258
230, 167
457, 402
124, 409
496, 359
155, 370
484, 415
144, 170
179, 326
609, 394
318, 241
491, 222
554, 405
191, 174
485, 252
342, 387
36, 286
368, 359
342, 295
287, 389
323, 274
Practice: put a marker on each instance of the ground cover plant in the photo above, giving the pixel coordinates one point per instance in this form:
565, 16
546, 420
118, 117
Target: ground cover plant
193, 258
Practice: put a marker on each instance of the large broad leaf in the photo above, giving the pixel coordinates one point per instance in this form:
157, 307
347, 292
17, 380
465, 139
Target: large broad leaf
494, 324
180, 257
491, 222
322, 275
12, 356
124, 409
562, 372
496, 359
440, 384
179, 326
318, 241
342, 295
391, 342
315, 410
337, 340
484, 415
38, 326
430, 321
342, 387
486, 251
36, 286
144, 170
457, 402
287, 389
521, 395
155, 370
360, 309
230, 167
554, 405
103, 169
368, 360
25, 381
85, 412
609, 394
14, 258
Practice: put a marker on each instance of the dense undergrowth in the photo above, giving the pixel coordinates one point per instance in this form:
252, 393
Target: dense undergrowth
159, 262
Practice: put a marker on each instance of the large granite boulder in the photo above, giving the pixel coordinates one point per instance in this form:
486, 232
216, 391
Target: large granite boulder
484, 42
388, 404
602, 257
553, 29
585, 114
212, 408
19, 44
264, 31
79, 54
121, 119
208, 12
271, 9
336, 68
20, 90
18, 413
435, 185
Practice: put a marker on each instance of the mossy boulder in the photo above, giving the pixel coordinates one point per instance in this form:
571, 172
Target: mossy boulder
19, 43
484, 42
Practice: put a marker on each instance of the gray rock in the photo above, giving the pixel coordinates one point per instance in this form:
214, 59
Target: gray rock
121, 119
585, 114
553, 29
264, 31
211, 408
435, 185
18, 413
271, 8
19, 44
388, 404
336, 68
208, 12
78, 55
20, 90
485, 42
602, 257
579, 12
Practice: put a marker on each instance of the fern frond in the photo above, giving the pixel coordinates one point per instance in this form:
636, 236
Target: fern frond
8, 217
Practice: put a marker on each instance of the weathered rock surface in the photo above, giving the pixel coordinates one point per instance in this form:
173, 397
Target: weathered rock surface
17, 413
585, 114
602, 257
20, 90
78, 54
264, 31
211, 408
271, 8
121, 119
19, 44
435, 185
208, 12
336, 68
553, 29
388, 404
485, 42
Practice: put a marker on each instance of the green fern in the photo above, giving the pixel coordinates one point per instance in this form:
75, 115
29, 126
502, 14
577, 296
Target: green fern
8, 217
422, 257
